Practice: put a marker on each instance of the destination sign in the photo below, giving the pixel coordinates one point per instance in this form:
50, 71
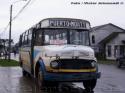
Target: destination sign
61, 23
77, 24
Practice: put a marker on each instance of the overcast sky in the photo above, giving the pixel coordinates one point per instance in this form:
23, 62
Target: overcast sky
40, 9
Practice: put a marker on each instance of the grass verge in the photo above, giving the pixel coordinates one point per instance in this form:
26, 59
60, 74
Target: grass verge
6, 63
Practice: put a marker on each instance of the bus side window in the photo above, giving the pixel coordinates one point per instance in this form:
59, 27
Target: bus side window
38, 38
29, 37
47, 39
23, 40
26, 40
20, 41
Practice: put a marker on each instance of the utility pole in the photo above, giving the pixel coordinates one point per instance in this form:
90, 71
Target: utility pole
10, 32
11, 8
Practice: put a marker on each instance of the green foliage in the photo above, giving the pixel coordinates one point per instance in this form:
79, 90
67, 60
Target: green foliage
6, 63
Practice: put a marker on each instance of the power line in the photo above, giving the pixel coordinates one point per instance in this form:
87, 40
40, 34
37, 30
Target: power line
21, 10
5, 29
16, 16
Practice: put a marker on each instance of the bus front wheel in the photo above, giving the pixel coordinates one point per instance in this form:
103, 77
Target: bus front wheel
40, 80
24, 72
119, 64
89, 85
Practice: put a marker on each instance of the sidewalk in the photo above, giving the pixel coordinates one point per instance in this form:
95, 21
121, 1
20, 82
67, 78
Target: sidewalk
15, 57
12, 57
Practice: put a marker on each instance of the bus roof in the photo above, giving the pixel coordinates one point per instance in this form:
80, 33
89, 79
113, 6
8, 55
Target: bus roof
71, 23
63, 23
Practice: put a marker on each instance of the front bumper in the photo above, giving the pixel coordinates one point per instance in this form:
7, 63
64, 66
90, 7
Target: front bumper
73, 77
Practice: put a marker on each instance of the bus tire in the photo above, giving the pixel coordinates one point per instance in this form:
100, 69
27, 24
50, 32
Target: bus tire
89, 85
119, 64
40, 80
24, 72
53, 84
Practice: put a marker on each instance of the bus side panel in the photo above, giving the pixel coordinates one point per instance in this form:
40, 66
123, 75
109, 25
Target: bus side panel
25, 55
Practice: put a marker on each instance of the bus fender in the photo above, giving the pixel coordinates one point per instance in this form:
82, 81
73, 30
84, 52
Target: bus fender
39, 64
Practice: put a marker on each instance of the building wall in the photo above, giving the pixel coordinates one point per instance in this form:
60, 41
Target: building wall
116, 42
102, 33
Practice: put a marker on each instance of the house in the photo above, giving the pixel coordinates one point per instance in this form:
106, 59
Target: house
4, 46
108, 41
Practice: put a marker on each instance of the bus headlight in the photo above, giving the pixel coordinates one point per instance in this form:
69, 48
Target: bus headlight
54, 64
93, 64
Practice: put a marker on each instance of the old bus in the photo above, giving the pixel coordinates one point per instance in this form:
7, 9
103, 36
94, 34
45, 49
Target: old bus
57, 50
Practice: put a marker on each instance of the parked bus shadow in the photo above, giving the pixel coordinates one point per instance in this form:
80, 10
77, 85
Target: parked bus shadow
28, 85
62, 88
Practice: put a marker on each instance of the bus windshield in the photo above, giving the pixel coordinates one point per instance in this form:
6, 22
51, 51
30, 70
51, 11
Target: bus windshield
64, 36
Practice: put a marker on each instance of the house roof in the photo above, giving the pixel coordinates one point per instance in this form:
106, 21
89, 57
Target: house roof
110, 37
101, 26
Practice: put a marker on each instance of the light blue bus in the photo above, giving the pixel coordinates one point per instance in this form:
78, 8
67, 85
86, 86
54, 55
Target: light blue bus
57, 50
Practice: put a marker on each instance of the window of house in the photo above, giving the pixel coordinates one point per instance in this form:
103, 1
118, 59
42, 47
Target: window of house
109, 51
93, 39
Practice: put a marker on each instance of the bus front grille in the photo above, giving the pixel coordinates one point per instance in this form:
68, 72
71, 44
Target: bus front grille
75, 64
